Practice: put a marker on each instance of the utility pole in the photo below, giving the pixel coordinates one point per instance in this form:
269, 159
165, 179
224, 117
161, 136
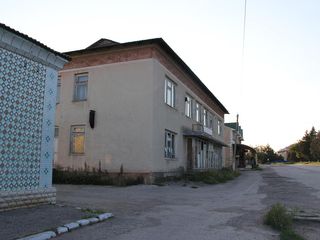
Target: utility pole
235, 144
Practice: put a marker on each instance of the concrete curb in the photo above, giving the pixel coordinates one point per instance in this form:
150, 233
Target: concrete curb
68, 227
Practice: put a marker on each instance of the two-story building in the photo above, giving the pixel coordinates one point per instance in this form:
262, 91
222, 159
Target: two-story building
136, 106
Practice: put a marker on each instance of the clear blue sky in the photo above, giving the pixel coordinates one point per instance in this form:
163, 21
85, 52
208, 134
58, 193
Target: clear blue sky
277, 95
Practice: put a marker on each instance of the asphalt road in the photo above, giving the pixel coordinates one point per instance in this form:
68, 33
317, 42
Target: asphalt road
233, 210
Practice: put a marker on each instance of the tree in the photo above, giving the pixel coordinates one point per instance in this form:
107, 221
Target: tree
315, 148
267, 154
306, 149
305, 144
302, 149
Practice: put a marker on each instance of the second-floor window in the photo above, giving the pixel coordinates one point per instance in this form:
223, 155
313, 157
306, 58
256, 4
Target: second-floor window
197, 112
58, 89
170, 92
219, 128
210, 122
81, 87
205, 118
188, 106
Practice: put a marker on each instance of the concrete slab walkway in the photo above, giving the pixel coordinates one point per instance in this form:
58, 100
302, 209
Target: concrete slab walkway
21, 222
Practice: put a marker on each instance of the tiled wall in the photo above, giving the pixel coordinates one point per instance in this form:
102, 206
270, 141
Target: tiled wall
26, 122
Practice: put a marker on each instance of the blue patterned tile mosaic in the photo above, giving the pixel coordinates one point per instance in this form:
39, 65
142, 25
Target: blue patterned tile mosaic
22, 96
48, 128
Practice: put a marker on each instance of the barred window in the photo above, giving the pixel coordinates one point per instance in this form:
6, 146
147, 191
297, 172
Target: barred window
169, 145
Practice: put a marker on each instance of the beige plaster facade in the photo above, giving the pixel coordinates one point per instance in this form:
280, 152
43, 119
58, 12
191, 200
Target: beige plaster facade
126, 89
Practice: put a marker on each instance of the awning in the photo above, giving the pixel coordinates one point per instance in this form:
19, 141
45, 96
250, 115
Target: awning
246, 147
204, 136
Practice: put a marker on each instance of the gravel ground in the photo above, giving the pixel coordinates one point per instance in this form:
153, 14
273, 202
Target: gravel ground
299, 188
233, 210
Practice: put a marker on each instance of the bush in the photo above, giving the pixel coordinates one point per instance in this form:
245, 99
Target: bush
278, 217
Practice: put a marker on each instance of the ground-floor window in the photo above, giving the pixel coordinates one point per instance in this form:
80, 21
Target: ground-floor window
207, 155
169, 144
77, 139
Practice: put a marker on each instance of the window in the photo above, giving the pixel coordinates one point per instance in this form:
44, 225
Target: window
210, 123
188, 106
197, 110
81, 87
58, 89
77, 139
205, 117
56, 131
169, 144
170, 92
219, 127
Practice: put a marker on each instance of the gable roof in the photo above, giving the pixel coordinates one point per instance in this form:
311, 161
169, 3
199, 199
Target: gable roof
103, 42
105, 45
33, 41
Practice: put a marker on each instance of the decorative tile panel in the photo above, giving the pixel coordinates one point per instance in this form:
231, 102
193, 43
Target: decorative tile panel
47, 150
22, 92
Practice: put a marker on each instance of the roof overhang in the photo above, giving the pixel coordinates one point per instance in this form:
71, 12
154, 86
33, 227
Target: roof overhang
166, 48
28, 47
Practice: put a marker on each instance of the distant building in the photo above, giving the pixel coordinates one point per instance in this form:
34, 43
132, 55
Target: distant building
284, 153
235, 154
233, 135
28, 79
138, 107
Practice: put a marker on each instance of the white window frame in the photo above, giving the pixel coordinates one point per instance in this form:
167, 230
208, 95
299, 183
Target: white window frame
170, 92
74, 134
188, 106
170, 144
77, 84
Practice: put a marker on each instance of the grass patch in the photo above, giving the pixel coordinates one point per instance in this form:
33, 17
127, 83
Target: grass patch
316, 164
92, 211
213, 176
256, 168
289, 234
280, 219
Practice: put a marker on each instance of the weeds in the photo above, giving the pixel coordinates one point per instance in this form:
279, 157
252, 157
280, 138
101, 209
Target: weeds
92, 211
213, 176
280, 219
92, 178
